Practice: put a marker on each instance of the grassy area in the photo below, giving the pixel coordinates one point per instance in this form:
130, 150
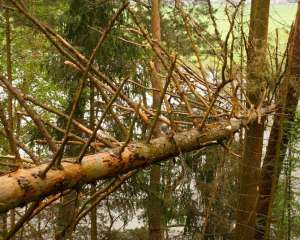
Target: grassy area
282, 15
281, 18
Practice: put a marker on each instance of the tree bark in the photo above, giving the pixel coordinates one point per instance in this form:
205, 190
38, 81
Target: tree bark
65, 216
26, 185
3, 225
68, 202
93, 214
256, 84
13, 148
279, 138
154, 194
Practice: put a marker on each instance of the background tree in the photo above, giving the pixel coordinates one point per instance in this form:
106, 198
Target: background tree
257, 84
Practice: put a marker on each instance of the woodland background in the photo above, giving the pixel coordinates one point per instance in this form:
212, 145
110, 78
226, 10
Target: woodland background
181, 117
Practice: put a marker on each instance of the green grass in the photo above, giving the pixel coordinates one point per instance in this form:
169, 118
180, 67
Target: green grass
282, 15
281, 18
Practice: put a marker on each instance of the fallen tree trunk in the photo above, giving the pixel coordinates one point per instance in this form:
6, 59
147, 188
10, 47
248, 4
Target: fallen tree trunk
25, 185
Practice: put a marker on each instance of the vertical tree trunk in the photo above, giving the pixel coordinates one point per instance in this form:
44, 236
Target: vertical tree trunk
93, 214
68, 202
289, 199
253, 143
3, 222
10, 103
66, 213
3, 225
278, 141
154, 204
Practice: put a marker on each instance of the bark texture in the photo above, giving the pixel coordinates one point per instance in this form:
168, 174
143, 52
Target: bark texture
257, 81
278, 141
154, 196
25, 185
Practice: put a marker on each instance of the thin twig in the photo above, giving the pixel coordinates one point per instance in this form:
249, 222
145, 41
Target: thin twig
22, 221
87, 144
158, 112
